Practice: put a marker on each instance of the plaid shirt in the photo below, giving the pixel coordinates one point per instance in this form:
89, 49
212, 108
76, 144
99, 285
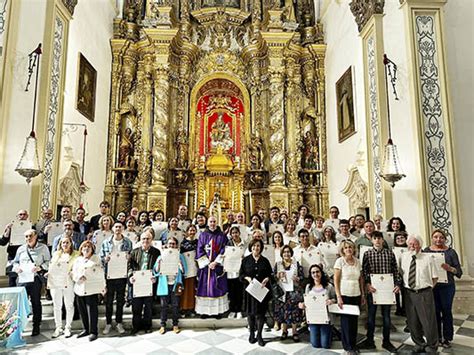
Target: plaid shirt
380, 262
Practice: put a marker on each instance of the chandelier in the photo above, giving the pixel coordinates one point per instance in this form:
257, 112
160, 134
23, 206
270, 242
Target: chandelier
391, 170
29, 166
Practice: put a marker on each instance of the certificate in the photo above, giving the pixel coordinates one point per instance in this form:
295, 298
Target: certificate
132, 236
95, 280
438, 259
269, 253
398, 251
158, 228
273, 227
362, 250
383, 284
55, 229
143, 285
169, 264
316, 309
3, 260
308, 258
100, 236
117, 266
158, 244
17, 234
203, 261
176, 234
286, 283
190, 257
26, 275
329, 252
58, 275
244, 232
184, 224
233, 258
346, 309
334, 223
389, 238
256, 290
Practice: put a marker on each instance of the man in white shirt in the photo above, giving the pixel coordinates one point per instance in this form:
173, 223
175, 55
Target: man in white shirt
344, 232
306, 247
419, 277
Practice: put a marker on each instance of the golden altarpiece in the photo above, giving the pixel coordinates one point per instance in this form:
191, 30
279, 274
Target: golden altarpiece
217, 98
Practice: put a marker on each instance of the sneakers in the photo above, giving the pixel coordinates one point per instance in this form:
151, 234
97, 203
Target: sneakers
367, 345
389, 347
107, 329
176, 329
57, 332
231, 315
162, 330
238, 315
120, 329
67, 332
446, 344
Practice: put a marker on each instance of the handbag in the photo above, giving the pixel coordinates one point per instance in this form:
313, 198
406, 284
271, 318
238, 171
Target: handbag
277, 291
40, 273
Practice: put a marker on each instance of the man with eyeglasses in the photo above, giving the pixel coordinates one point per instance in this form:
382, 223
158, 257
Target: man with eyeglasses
68, 231
33, 252
22, 215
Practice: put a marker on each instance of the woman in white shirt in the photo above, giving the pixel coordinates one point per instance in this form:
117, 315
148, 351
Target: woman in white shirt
105, 231
349, 286
290, 237
64, 256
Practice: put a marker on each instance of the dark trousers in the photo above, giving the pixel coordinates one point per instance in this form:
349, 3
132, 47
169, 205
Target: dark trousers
33, 290
236, 294
421, 319
256, 323
115, 289
443, 296
142, 312
89, 311
349, 325
173, 299
372, 311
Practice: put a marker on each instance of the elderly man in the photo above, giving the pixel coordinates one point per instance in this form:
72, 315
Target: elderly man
33, 255
68, 231
46, 219
419, 278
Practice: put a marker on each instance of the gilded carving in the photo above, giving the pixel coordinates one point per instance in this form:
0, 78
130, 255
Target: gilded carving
364, 9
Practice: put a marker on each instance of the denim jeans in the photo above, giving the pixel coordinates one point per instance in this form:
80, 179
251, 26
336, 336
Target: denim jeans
320, 335
443, 296
372, 311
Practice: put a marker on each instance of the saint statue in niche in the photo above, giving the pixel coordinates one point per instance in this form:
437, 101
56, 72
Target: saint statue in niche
256, 154
310, 140
126, 149
181, 149
220, 134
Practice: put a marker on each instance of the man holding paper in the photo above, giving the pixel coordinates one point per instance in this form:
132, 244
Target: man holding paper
142, 258
114, 255
380, 263
68, 231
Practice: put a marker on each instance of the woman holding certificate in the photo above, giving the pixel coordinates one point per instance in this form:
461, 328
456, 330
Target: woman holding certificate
232, 261
255, 272
289, 274
349, 285
104, 231
188, 248
169, 269
61, 285
88, 275
172, 230
443, 292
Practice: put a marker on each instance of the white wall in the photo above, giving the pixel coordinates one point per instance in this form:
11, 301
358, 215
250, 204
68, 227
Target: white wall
459, 38
89, 33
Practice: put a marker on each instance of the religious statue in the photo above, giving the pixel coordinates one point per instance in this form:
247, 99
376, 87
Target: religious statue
126, 149
256, 154
215, 208
309, 140
181, 149
220, 134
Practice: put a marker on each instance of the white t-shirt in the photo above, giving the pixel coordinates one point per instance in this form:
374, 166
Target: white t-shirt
350, 275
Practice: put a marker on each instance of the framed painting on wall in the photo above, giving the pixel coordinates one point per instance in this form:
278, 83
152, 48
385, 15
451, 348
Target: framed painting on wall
86, 87
345, 106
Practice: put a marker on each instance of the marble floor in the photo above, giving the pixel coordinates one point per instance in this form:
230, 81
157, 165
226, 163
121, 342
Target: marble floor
220, 341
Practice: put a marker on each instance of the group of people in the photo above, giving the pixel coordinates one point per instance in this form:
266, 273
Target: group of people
292, 255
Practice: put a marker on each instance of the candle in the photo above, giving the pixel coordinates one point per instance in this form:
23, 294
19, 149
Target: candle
196, 200
187, 198
232, 205
250, 202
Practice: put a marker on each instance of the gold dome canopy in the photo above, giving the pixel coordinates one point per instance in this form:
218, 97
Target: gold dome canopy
219, 162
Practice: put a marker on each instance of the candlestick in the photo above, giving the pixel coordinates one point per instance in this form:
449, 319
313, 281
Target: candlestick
187, 198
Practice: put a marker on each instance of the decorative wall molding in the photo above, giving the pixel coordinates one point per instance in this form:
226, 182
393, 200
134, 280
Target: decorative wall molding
3, 19
364, 9
52, 115
434, 130
70, 187
356, 190
70, 5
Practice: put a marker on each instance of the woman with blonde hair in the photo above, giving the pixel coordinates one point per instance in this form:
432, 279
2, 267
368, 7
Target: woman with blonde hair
63, 294
104, 232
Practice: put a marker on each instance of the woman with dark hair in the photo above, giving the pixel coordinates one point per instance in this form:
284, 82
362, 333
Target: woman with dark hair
319, 334
236, 290
121, 217
201, 223
143, 221
255, 223
256, 266
172, 230
328, 248
159, 216
189, 245
277, 241
395, 224
289, 274
444, 292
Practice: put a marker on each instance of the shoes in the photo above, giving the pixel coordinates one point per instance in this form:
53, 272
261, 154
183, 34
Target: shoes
134, 331
252, 339
67, 332
367, 345
92, 337
231, 315
219, 316
238, 315
389, 347
176, 329
284, 336
296, 338
260, 341
120, 329
57, 332
83, 334
162, 330
276, 326
107, 329
446, 344
35, 331
148, 331
406, 329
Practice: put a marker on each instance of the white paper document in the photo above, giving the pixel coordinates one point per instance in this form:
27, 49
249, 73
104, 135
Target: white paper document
269, 253
3, 260
233, 258
203, 261
26, 275
383, 283
95, 280
272, 228
398, 251
143, 285
334, 223
158, 228
286, 283
346, 309
176, 234
169, 262
58, 275
329, 251
389, 238
244, 232
256, 290
316, 309
184, 224
438, 260
17, 234
55, 229
309, 258
190, 257
117, 266
362, 250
